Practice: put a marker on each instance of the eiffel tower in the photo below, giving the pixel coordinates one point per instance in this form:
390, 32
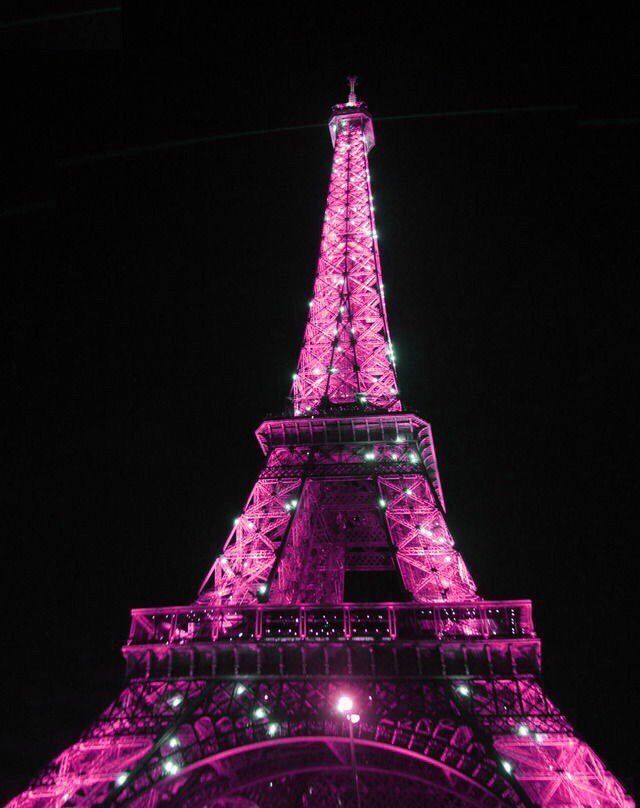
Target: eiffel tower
338, 653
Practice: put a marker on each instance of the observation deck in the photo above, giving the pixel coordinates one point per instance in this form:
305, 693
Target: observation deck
357, 113
475, 638
355, 429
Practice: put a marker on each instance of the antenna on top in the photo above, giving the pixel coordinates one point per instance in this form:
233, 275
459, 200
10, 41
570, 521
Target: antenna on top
353, 80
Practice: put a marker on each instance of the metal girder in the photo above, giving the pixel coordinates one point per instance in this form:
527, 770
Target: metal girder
288, 545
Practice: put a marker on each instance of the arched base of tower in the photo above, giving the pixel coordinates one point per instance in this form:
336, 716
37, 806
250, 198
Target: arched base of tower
315, 772
280, 741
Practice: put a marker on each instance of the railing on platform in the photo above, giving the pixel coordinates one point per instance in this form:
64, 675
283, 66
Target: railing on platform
356, 621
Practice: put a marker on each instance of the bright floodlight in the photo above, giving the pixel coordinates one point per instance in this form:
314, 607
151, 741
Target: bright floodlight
354, 718
345, 704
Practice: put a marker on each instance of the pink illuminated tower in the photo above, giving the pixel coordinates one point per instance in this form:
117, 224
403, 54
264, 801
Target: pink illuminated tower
338, 652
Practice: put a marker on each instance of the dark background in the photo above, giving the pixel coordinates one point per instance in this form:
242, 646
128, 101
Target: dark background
155, 303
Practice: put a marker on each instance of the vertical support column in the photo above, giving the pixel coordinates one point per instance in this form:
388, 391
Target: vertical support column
393, 625
346, 622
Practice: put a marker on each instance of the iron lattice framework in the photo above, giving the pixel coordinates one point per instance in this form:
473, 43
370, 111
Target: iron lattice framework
232, 701
347, 355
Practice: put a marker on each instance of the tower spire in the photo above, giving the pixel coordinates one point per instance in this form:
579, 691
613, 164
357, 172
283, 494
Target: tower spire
352, 81
347, 359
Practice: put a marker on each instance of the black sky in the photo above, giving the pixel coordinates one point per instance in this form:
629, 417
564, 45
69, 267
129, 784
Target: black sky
155, 305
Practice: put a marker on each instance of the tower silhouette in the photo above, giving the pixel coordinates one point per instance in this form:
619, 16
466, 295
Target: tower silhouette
337, 652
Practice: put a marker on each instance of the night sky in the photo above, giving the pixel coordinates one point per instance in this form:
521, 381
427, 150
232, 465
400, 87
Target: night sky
155, 303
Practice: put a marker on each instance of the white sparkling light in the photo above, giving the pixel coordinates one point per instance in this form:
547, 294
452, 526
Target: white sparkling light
171, 767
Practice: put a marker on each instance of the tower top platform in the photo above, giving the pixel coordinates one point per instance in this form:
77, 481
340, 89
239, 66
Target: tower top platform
352, 110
